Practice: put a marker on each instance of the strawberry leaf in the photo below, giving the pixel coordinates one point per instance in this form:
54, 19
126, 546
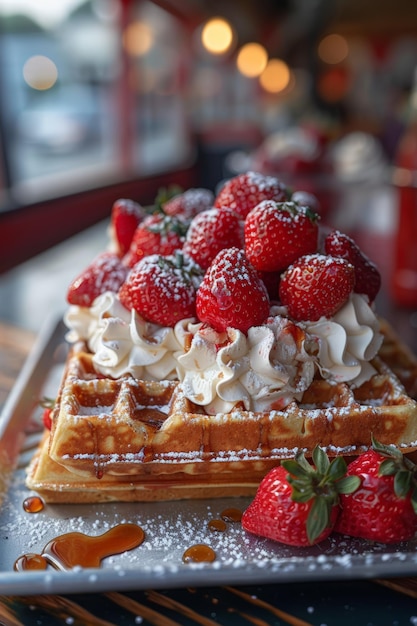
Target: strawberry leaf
388, 451
402, 483
320, 460
388, 467
348, 484
318, 518
337, 469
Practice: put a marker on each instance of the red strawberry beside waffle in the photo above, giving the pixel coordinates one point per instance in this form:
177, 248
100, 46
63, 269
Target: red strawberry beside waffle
195, 370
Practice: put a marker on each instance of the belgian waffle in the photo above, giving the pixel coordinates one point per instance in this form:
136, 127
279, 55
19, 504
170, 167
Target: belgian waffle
127, 439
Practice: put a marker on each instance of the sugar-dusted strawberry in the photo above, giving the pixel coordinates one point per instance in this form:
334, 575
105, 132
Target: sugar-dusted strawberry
162, 289
125, 216
316, 286
48, 405
277, 233
297, 503
367, 276
189, 203
105, 273
384, 508
212, 231
232, 295
156, 234
245, 191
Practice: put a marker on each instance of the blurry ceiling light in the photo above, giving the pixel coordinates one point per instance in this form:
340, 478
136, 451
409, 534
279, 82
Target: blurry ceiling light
252, 59
138, 38
40, 72
276, 76
217, 36
333, 49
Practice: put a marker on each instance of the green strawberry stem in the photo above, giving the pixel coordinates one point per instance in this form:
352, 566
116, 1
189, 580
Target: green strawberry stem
164, 194
47, 403
322, 483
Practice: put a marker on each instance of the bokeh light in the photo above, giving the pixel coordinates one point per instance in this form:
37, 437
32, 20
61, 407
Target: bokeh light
138, 38
276, 76
40, 72
252, 60
333, 49
217, 36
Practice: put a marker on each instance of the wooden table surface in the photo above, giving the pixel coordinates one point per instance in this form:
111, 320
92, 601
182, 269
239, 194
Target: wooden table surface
15, 345
334, 603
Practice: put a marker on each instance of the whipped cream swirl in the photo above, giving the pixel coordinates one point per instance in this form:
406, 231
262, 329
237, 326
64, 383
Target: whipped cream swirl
123, 342
347, 342
262, 371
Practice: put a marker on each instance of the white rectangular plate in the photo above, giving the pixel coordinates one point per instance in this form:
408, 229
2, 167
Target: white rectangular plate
170, 527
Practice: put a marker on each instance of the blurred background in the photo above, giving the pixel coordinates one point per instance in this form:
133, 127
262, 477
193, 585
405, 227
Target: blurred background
102, 99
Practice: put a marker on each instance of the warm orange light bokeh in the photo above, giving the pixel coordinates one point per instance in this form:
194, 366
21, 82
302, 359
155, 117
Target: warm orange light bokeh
276, 76
252, 59
217, 36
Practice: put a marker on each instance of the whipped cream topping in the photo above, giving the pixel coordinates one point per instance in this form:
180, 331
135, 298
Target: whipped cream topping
347, 342
264, 370
261, 371
123, 342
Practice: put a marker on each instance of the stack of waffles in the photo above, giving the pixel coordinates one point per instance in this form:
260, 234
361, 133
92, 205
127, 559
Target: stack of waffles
133, 440
131, 434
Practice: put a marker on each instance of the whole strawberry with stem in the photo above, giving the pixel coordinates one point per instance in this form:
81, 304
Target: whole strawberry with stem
316, 286
231, 294
243, 192
156, 234
105, 273
278, 233
125, 217
297, 503
384, 507
212, 231
162, 289
367, 276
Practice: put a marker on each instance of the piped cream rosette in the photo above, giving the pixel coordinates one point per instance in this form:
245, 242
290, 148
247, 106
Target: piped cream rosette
123, 342
265, 369
347, 342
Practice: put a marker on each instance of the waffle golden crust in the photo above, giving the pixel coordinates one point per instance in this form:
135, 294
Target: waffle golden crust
132, 440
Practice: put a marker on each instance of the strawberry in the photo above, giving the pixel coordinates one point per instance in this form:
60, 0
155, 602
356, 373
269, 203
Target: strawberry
316, 286
277, 233
48, 405
125, 216
297, 503
231, 294
162, 289
367, 276
212, 231
189, 203
156, 234
105, 273
384, 508
245, 191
